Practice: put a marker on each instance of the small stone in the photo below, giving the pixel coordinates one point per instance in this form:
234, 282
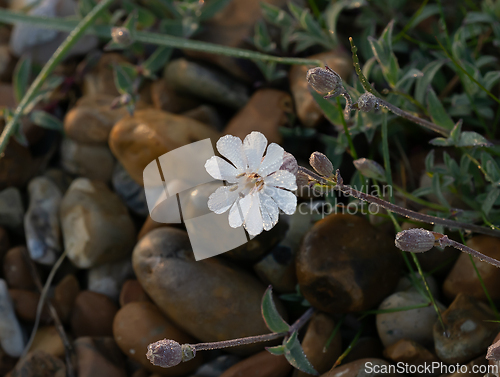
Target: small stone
216, 367
89, 161
47, 339
58, 176
132, 292
11, 335
16, 270
100, 80
138, 324
41, 222
474, 368
39, 364
369, 367
7, 63
206, 83
26, 303
93, 315
318, 333
99, 357
91, 119
414, 324
308, 110
132, 193
108, 278
346, 265
4, 243
205, 114
278, 269
11, 209
167, 99
412, 353
463, 277
138, 140
262, 364
96, 225
365, 347
65, 294
198, 290
17, 166
469, 330
405, 284
7, 363
265, 112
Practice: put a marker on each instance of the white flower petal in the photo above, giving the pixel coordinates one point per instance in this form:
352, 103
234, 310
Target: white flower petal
221, 169
222, 199
272, 161
231, 147
269, 210
254, 146
250, 206
235, 215
286, 200
283, 179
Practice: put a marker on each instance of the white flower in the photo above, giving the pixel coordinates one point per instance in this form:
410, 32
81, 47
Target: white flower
258, 188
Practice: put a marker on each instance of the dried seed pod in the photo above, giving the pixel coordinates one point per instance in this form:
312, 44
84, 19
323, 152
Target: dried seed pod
321, 164
289, 163
165, 353
367, 102
415, 240
494, 352
121, 35
325, 81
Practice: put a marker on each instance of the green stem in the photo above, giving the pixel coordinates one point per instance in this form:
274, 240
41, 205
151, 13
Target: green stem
75, 34
420, 201
355, 61
346, 131
409, 24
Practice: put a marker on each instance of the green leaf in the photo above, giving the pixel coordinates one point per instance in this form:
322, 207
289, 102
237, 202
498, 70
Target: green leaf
145, 18
490, 200
437, 111
295, 10
329, 108
382, 50
124, 75
441, 142
472, 139
21, 78
296, 356
275, 15
455, 132
156, 61
412, 74
262, 39
277, 351
211, 8
423, 83
429, 161
490, 79
491, 167
271, 316
46, 120
436, 188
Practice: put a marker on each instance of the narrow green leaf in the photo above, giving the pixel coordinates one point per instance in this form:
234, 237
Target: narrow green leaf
441, 142
21, 77
437, 111
490, 200
296, 356
423, 83
456, 131
211, 8
472, 139
272, 317
46, 120
275, 15
329, 108
295, 10
436, 188
277, 351
262, 39
124, 75
156, 61
429, 161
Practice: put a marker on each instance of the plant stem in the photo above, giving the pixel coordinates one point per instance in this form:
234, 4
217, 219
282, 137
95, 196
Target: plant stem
354, 155
445, 241
75, 34
355, 61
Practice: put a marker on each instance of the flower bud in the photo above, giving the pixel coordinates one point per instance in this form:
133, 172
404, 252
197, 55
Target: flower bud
289, 163
321, 164
164, 353
415, 240
494, 352
302, 180
367, 102
325, 81
370, 169
121, 35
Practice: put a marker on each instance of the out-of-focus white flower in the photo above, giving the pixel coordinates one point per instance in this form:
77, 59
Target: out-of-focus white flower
258, 188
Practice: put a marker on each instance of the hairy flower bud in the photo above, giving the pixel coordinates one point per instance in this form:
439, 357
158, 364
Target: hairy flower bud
370, 169
121, 35
415, 240
289, 163
325, 81
321, 164
164, 353
367, 102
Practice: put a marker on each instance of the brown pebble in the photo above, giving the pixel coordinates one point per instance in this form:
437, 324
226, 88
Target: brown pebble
39, 364
99, 357
93, 315
65, 294
4, 242
408, 351
148, 226
47, 339
262, 364
16, 270
132, 291
25, 305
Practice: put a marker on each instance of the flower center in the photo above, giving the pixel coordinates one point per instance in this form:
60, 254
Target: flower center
251, 182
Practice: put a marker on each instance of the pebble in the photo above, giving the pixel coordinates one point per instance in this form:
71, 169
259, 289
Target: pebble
91, 119
362, 368
92, 315
65, 294
129, 191
148, 226
138, 324
59, 177
25, 304
108, 278
474, 368
207, 83
89, 161
41, 222
138, 140
469, 330
205, 114
4, 243
365, 347
11, 335
209, 299
100, 79
318, 332
308, 111
7, 363
216, 367
47, 339
165, 98
346, 265
7, 63
11, 209
96, 225
265, 112
16, 270
39, 364
132, 291
262, 364
17, 166
405, 284
99, 357
414, 324
463, 277
41, 43
408, 351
